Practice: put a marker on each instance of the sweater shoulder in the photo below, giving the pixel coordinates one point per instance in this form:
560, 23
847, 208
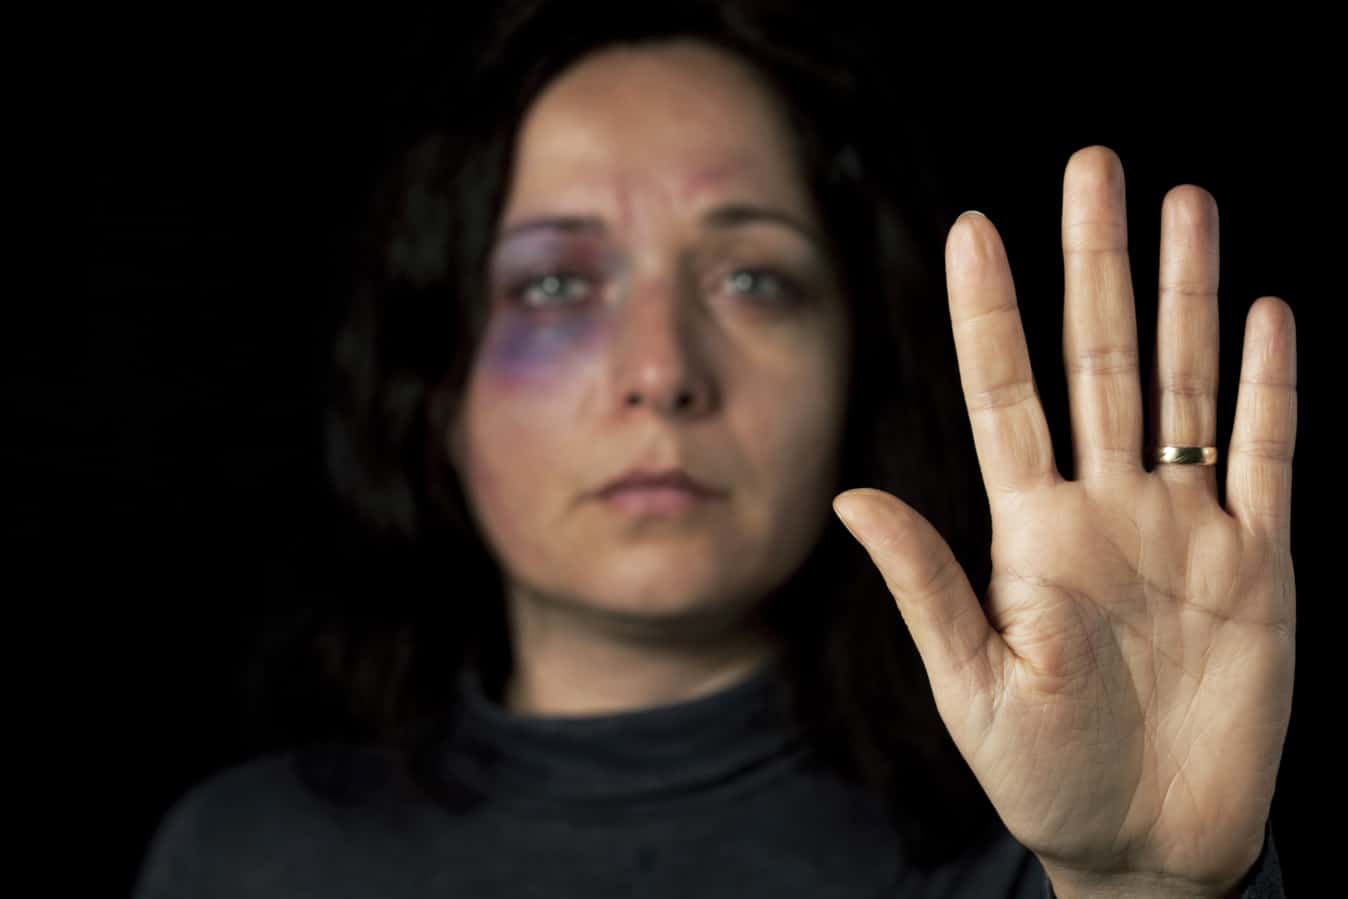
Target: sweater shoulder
280, 808
314, 781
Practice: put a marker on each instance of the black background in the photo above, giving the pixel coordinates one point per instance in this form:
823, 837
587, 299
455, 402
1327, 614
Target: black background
169, 443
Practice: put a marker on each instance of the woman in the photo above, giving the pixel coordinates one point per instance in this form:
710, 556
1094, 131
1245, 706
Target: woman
690, 309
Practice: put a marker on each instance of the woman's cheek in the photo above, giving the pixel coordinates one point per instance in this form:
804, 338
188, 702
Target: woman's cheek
528, 373
537, 354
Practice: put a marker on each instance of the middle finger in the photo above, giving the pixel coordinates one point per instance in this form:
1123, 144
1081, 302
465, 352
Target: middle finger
1099, 324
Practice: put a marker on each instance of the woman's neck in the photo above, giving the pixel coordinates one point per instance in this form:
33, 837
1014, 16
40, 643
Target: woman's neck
573, 662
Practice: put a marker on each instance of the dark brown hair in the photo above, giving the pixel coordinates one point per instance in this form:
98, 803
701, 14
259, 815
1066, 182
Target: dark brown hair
403, 351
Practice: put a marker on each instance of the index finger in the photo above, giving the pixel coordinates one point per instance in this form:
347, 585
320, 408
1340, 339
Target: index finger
1010, 432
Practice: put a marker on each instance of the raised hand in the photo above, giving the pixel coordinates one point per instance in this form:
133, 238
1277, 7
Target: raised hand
1123, 693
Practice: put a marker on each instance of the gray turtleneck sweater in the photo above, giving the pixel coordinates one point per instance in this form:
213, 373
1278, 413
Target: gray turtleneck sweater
714, 797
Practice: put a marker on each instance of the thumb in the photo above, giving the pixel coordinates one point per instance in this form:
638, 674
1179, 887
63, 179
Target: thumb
932, 591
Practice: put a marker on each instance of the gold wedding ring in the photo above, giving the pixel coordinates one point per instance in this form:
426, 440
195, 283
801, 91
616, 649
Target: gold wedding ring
1185, 455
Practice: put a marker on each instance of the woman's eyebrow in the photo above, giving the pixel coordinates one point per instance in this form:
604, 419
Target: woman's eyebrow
742, 213
727, 216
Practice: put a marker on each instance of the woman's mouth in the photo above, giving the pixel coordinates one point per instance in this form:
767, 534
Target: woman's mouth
640, 499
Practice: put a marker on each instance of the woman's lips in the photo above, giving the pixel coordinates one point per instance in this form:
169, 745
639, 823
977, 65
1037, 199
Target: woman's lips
647, 500
649, 477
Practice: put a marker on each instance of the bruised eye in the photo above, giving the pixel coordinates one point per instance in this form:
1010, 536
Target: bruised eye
550, 289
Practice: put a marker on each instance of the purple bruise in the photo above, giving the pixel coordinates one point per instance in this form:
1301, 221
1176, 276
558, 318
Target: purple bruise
528, 347
530, 342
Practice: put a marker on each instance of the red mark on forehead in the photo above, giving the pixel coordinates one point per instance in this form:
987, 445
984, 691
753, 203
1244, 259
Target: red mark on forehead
698, 182
708, 178
625, 196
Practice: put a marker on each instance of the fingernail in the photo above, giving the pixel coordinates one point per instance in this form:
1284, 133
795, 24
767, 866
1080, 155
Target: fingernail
843, 512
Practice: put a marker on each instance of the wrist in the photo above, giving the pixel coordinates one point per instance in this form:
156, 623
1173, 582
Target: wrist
1071, 884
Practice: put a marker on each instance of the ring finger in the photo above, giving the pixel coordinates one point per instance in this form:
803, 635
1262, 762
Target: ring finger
1184, 377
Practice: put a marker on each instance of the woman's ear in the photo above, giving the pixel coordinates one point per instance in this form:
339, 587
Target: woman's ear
448, 421
455, 439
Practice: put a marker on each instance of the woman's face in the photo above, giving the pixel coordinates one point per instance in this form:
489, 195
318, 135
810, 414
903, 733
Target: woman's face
659, 298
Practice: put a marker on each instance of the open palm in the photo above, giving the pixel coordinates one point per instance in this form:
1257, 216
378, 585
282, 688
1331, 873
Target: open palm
1123, 693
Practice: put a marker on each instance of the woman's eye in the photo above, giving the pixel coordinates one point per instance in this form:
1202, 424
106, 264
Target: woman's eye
569, 288
746, 280
550, 289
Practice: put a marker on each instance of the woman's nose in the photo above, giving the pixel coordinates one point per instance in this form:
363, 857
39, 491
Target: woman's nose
661, 359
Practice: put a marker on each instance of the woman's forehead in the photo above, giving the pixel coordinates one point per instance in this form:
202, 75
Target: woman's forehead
613, 204
669, 133
585, 187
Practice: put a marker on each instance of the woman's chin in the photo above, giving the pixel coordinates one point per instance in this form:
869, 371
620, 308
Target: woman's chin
665, 594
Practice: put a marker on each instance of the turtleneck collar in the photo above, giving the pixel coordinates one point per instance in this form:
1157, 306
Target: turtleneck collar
667, 750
